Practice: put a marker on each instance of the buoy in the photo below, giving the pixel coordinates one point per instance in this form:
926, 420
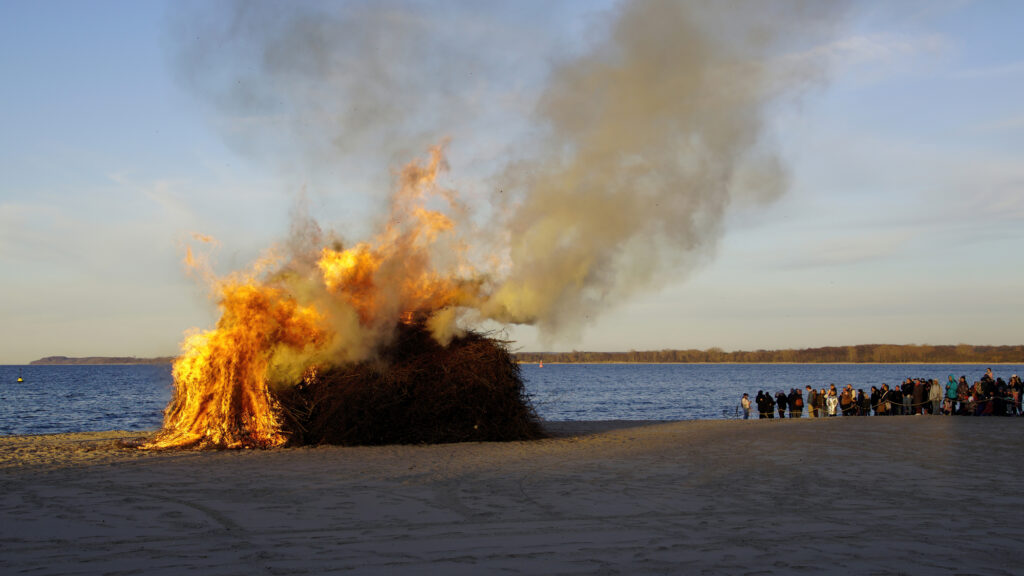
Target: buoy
20, 379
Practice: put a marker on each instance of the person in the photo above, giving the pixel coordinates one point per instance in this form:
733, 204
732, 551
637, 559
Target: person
950, 405
908, 396
1017, 390
896, 400
883, 401
935, 395
963, 392
761, 405
984, 398
919, 396
832, 402
769, 404
973, 399
812, 402
999, 403
796, 403
863, 403
846, 400
781, 402
745, 404
821, 400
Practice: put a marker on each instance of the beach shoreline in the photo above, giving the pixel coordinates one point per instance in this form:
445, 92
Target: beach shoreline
908, 495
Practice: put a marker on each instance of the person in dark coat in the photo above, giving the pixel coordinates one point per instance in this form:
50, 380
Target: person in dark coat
920, 393
999, 403
796, 403
759, 401
908, 396
885, 400
873, 399
863, 403
896, 400
781, 402
769, 405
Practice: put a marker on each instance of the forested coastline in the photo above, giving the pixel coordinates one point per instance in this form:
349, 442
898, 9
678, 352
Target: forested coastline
860, 354
94, 360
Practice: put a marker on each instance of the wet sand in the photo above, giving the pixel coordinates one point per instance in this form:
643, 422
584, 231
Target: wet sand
899, 495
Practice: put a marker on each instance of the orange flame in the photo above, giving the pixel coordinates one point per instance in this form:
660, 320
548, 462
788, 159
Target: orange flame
223, 378
221, 397
394, 278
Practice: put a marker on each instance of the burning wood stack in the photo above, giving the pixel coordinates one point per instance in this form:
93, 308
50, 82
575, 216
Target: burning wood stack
349, 346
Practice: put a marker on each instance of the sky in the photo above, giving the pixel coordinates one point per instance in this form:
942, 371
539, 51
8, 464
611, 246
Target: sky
901, 221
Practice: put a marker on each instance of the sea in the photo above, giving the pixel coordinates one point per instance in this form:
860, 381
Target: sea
58, 399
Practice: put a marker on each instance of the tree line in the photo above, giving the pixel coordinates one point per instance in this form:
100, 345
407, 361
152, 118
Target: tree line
64, 360
860, 354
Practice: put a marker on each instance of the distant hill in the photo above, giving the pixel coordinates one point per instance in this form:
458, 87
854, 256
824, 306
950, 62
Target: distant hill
64, 360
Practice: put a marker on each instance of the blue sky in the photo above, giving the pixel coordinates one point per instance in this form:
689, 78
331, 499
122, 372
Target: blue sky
903, 221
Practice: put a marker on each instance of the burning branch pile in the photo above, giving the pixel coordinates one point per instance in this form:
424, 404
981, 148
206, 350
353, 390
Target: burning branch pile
350, 346
417, 391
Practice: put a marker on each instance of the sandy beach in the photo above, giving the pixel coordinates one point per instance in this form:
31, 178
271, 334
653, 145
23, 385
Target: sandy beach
900, 495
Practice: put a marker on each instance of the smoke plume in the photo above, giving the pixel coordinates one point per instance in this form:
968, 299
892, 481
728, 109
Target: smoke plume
621, 161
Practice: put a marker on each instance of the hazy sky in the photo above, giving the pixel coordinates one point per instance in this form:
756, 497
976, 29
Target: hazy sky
121, 136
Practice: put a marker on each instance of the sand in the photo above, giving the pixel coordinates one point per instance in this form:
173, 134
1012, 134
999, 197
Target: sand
899, 495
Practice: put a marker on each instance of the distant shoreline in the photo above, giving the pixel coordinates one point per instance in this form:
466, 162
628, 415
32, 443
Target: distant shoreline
99, 360
531, 358
858, 354
978, 363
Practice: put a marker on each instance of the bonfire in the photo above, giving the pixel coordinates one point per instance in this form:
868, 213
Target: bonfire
360, 346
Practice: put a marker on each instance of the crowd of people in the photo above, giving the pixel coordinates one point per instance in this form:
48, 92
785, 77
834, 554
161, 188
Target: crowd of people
989, 396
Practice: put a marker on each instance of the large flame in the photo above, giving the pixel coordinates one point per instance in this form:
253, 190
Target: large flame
272, 334
395, 277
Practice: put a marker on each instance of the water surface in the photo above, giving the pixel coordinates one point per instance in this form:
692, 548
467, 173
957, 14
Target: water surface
55, 399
